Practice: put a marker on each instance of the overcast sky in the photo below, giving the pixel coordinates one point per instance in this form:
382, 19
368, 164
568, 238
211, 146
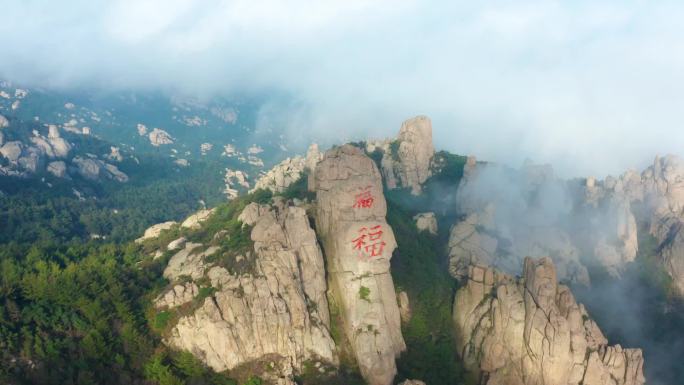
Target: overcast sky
592, 87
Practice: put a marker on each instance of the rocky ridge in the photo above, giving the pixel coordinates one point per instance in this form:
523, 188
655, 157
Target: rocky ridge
53, 154
358, 242
289, 171
531, 331
599, 218
277, 310
406, 160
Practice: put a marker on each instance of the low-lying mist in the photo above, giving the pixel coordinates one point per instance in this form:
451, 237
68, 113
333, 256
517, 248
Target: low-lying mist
591, 87
584, 226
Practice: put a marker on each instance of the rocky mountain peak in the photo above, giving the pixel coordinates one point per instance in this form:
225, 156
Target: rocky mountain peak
265, 305
532, 331
350, 220
407, 160
415, 152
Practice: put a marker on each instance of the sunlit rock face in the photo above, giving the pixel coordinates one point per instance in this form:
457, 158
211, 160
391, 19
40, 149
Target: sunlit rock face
530, 330
664, 189
158, 137
656, 199
358, 243
426, 222
509, 214
415, 152
406, 161
277, 311
289, 171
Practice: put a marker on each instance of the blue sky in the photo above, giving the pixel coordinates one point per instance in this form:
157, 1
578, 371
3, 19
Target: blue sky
592, 87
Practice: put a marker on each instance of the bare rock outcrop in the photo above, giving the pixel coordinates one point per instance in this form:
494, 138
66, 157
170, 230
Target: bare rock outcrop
654, 197
22, 159
3, 122
57, 168
282, 175
426, 222
235, 179
406, 161
114, 154
664, 191
415, 152
532, 331
289, 171
156, 230
178, 295
95, 169
158, 137
404, 307
195, 220
12, 150
275, 312
350, 221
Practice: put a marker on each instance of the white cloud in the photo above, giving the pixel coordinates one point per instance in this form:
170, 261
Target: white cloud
590, 86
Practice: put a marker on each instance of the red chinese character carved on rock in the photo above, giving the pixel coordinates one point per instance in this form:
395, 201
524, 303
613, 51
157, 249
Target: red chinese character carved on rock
370, 243
364, 200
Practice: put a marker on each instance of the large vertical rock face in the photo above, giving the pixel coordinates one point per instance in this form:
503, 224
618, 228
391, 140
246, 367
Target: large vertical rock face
415, 152
406, 161
358, 242
530, 331
663, 185
656, 198
278, 311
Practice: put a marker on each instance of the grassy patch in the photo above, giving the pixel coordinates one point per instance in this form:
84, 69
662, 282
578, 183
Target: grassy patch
161, 320
364, 293
419, 267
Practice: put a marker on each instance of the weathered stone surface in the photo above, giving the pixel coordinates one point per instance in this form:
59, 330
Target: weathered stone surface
189, 262
57, 168
155, 230
235, 179
178, 295
415, 152
426, 222
114, 173
276, 313
656, 196
3, 122
158, 137
176, 244
531, 331
406, 161
350, 221
404, 307
195, 220
289, 171
282, 175
468, 246
313, 156
12, 150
